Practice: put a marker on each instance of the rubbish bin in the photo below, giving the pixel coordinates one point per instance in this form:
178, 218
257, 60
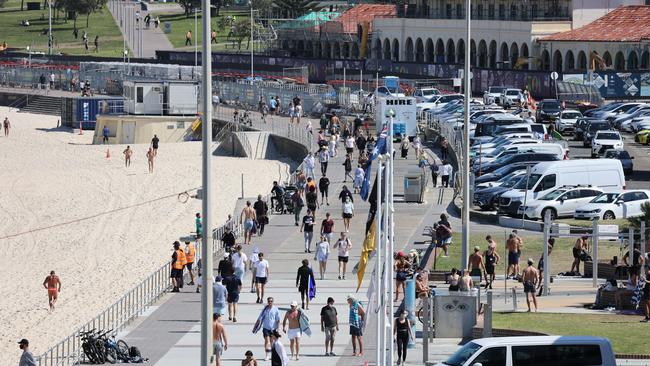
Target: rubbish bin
413, 186
455, 313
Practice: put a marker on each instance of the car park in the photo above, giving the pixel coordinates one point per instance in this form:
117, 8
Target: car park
493, 94
561, 202
613, 204
605, 140
548, 110
567, 122
591, 129
624, 157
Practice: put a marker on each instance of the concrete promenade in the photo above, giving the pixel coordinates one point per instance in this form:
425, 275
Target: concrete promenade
170, 335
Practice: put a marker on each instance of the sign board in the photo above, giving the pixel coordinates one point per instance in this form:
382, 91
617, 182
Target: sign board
167, 27
554, 75
405, 121
457, 82
608, 232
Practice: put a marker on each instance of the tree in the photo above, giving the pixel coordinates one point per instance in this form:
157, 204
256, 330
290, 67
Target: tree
85, 7
189, 5
635, 222
290, 9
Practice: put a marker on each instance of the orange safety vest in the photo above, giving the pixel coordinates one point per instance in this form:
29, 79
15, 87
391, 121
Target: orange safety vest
181, 260
191, 253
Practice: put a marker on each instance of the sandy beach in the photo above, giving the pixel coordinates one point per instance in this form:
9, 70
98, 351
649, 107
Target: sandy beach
53, 180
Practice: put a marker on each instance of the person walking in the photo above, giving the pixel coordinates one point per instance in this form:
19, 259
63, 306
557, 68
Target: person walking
248, 218
348, 213
322, 253
249, 360
219, 296
190, 257
233, 288
417, 145
298, 204
188, 38
492, 259
344, 194
343, 245
444, 146
402, 333
252, 266
312, 198
178, 263
198, 225
327, 227
7, 126
52, 284
359, 175
309, 163
323, 158
357, 317
96, 42
105, 133
445, 170
261, 212
304, 276
307, 228
323, 187
530, 277
404, 147
278, 353
294, 333
219, 339
150, 158
269, 322
239, 260
579, 247
261, 276
348, 168
349, 145
645, 297
128, 152
213, 37
228, 239
435, 169
402, 266
155, 141
540, 266
329, 324
477, 266
443, 234
332, 147
27, 357
512, 244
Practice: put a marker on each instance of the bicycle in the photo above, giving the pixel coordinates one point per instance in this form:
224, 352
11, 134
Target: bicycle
114, 350
89, 347
99, 348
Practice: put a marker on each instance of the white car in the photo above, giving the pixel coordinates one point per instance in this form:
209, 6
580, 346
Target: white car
561, 202
493, 94
567, 122
384, 91
614, 204
605, 140
511, 97
437, 101
423, 94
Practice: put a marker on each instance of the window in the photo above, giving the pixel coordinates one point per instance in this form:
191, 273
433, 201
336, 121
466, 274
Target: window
448, 11
459, 11
140, 95
491, 11
479, 11
556, 355
547, 182
513, 12
640, 196
492, 357
502, 11
584, 193
571, 195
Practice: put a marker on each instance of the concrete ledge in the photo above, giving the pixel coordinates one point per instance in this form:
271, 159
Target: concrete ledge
474, 215
515, 223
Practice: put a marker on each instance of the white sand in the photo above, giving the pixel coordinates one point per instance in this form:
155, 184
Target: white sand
49, 177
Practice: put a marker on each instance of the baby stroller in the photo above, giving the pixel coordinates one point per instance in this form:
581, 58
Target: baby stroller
288, 202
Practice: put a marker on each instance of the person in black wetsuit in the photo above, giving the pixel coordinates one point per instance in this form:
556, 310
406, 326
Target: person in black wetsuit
261, 211
491, 260
540, 266
302, 282
403, 333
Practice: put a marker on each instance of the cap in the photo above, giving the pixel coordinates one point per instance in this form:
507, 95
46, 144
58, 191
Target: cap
477, 248
294, 303
217, 278
351, 297
400, 254
23, 341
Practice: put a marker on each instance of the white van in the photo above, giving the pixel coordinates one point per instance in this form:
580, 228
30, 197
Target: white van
551, 148
550, 175
542, 350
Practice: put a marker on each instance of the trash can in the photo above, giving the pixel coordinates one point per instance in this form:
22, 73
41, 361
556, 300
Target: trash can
455, 313
413, 186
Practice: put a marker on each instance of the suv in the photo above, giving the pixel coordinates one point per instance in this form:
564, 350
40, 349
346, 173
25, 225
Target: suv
516, 158
605, 140
548, 110
567, 122
511, 97
591, 129
493, 94
424, 94
561, 202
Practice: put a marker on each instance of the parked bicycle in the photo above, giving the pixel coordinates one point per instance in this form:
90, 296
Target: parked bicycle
100, 347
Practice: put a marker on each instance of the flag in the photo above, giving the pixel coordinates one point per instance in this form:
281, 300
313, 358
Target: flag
312, 287
370, 241
380, 148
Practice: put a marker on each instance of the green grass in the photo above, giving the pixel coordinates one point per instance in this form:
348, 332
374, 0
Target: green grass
101, 23
180, 24
623, 224
627, 335
561, 257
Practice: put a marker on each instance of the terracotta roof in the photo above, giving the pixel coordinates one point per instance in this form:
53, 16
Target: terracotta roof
623, 24
349, 20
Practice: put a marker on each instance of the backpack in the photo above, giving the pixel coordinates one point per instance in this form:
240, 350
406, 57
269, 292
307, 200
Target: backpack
134, 352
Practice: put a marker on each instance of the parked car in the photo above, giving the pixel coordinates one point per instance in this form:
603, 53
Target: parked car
384, 91
496, 140
493, 94
581, 127
614, 204
567, 122
605, 140
561, 202
624, 157
508, 177
510, 98
480, 151
486, 127
611, 114
424, 94
488, 198
547, 176
438, 101
638, 111
548, 110
528, 156
550, 148
591, 130
607, 107
534, 351
503, 171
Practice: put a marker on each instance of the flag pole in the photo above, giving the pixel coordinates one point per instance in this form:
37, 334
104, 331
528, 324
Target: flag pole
379, 294
390, 230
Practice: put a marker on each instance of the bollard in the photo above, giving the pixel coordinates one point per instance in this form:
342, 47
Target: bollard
514, 299
425, 331
487, 317
409, 305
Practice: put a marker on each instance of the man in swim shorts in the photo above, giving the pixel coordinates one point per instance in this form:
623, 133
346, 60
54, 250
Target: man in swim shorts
294, 334
52, 284
247, 218
531, 276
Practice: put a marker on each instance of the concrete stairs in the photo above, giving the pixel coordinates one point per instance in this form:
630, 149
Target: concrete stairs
42, 104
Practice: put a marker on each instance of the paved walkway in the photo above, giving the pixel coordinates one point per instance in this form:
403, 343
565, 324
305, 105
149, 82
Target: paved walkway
152, 38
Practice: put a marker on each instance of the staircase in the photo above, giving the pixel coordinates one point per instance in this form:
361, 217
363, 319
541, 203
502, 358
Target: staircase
42, 104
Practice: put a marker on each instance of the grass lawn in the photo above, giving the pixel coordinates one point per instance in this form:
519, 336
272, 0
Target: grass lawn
561, 257
101, 23
623, 224
627, 335
181, 24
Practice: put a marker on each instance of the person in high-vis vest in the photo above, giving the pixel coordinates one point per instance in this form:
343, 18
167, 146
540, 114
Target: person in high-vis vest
179, 260
190, 255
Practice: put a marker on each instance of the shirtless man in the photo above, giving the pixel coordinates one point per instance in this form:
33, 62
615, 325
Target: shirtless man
248, 217
151, 154
578, 248
293, 315
531, 276
491, 243
128, 152
220, 342
7, 125
477, 266
52, 284
513, 256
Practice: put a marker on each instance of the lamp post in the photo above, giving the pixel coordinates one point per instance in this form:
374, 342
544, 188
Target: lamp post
29, 56
196, 38
391, 232
252, 42
465, 153
49, 37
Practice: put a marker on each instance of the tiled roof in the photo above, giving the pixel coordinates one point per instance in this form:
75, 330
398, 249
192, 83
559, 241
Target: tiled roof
623, 24
349, 20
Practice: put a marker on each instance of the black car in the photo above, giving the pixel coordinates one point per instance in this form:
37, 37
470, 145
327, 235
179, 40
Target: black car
502, 172
510, 159
548, 110
624, 157
581, 126
591, 129
488, 198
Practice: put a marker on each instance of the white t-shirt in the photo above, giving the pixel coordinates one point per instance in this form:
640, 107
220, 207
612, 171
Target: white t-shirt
349, 143
348, 207
446, 169
322, 249
239, 260
343, 247
261, 268
324, 156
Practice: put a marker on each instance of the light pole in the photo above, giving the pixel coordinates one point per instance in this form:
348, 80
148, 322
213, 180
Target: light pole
465, 153
49, 41
196, 38
252, 43
206, 247
29, 57
391, 232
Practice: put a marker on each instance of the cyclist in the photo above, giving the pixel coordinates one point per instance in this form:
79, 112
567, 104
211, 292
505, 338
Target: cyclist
277, 196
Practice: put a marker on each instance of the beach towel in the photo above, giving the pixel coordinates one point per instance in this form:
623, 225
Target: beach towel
258, 323
312, 287
304, 323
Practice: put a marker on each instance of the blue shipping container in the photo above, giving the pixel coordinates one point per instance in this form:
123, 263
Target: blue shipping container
87, 110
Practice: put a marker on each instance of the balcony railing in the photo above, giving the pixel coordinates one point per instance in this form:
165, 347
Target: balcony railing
524, 15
